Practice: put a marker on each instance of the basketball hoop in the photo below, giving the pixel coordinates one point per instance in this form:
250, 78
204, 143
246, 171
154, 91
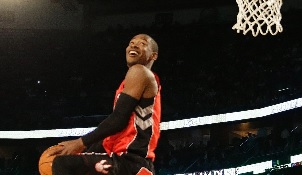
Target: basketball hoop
259, 16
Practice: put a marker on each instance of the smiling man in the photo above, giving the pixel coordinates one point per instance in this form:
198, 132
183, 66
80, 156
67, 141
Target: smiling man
129, 135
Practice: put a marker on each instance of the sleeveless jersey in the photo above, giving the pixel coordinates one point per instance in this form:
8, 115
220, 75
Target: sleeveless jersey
141, 135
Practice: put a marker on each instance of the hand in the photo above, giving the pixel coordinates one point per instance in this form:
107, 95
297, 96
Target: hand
69, 147
102, 167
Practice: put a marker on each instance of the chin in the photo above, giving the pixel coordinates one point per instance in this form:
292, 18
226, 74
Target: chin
129, 64
131, 61
132, 64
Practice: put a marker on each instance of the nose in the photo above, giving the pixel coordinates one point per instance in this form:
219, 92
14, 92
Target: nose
134, 45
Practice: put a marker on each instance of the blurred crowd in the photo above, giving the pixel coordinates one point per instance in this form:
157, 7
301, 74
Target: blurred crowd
276, 143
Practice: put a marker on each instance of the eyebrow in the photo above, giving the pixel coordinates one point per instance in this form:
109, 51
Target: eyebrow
144, 38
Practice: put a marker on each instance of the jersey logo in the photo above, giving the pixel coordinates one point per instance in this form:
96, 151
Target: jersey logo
143, 117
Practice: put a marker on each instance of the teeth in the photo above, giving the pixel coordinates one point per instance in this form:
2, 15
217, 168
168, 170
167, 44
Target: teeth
133, 52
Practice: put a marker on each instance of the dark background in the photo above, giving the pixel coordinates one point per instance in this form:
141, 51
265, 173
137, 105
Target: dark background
64, 78
205, 66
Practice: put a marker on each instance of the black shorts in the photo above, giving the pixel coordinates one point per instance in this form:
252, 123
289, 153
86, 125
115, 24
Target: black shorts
84, 164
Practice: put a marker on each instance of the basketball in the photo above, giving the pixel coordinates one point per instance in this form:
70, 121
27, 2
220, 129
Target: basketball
45, 161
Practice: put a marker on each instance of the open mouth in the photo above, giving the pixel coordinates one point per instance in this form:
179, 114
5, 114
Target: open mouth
133, 53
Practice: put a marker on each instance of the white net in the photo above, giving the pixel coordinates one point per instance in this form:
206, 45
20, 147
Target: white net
259, 16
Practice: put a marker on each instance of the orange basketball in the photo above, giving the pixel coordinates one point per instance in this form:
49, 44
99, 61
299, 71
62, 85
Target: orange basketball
45, 161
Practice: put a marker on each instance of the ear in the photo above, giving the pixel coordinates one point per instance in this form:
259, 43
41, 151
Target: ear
154, 56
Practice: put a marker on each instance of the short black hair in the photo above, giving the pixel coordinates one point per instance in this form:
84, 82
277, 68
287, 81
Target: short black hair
154, 45
153, 42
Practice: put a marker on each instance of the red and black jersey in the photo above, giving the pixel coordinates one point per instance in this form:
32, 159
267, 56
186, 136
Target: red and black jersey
141, 135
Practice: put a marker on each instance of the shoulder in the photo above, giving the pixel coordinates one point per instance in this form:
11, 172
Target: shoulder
140, 82
139, 71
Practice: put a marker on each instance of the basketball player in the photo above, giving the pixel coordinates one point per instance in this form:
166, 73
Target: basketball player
130, 133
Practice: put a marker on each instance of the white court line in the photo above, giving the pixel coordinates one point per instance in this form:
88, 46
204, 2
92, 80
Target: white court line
198, 121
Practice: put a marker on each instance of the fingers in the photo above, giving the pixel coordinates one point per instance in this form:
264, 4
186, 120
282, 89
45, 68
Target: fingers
55, 151
102, 167
72, 146
62, 143
102, 162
